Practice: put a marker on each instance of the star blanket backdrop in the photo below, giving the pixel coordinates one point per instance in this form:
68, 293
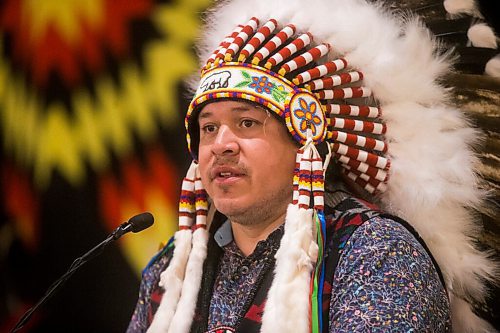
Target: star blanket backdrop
91, 107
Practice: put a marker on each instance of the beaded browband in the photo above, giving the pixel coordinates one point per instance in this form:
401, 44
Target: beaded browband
310, 88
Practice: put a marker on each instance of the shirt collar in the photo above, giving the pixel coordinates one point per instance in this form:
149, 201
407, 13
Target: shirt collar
224, 235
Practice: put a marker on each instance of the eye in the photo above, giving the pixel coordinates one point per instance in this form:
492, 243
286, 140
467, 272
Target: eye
209, 128
247, 123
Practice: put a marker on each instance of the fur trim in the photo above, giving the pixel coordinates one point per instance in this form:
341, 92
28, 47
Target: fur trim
172, 280
185, 309
432, 181
288, 296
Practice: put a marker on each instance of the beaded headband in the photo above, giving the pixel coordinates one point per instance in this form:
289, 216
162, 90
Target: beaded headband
312, 90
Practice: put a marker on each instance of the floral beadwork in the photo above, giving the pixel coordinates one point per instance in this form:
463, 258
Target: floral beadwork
306, 112
304, 117
261, 84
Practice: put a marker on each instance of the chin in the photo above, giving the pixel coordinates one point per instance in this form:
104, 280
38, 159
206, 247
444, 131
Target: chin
230, 206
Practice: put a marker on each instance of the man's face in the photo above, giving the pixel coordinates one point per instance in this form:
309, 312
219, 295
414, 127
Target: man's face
246, 160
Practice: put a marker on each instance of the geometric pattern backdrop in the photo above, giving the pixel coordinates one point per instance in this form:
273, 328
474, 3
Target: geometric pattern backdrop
91, 113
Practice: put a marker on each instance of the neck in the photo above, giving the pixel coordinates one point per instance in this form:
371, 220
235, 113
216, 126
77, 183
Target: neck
247, 236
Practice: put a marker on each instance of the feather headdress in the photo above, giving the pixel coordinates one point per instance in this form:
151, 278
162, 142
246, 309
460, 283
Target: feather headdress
349, 74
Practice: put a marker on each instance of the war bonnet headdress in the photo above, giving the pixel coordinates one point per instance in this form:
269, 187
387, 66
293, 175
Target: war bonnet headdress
329, 69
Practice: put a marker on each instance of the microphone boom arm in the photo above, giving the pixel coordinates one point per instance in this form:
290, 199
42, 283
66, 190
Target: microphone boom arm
80, 261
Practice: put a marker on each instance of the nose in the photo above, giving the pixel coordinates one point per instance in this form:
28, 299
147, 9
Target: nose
226, 142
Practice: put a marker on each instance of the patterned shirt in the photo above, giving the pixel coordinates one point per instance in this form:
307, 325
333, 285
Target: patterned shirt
384, 282
239, 276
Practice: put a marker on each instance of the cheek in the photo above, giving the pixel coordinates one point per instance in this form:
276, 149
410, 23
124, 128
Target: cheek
276, 165
203, 151
203, 163
204, 154
287, 163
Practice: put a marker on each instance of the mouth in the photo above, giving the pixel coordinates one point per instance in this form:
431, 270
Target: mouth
224, 174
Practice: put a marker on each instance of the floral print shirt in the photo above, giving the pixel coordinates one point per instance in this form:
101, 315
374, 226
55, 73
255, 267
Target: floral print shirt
385, 281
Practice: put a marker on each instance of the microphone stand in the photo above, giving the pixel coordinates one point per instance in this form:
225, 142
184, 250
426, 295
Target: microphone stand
117, 233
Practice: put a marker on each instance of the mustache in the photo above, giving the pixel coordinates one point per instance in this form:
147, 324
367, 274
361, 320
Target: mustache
230, 162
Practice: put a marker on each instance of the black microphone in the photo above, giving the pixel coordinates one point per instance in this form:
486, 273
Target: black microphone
141, 222
136, 223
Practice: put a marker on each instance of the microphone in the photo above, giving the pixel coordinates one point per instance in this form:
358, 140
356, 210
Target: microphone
141, 222
135, 224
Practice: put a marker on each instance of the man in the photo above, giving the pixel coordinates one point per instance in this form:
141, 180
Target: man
273, 107
240, 146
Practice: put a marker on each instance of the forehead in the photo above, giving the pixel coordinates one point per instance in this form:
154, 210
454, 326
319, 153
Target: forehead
228, 107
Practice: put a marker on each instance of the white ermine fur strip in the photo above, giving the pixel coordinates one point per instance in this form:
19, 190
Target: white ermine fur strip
172, 280
181, 323
289, 293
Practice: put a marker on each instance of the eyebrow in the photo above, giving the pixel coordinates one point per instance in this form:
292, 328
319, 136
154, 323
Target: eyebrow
206, 114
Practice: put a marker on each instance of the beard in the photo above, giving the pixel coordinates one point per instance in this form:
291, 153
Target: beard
269, 205
264, 210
